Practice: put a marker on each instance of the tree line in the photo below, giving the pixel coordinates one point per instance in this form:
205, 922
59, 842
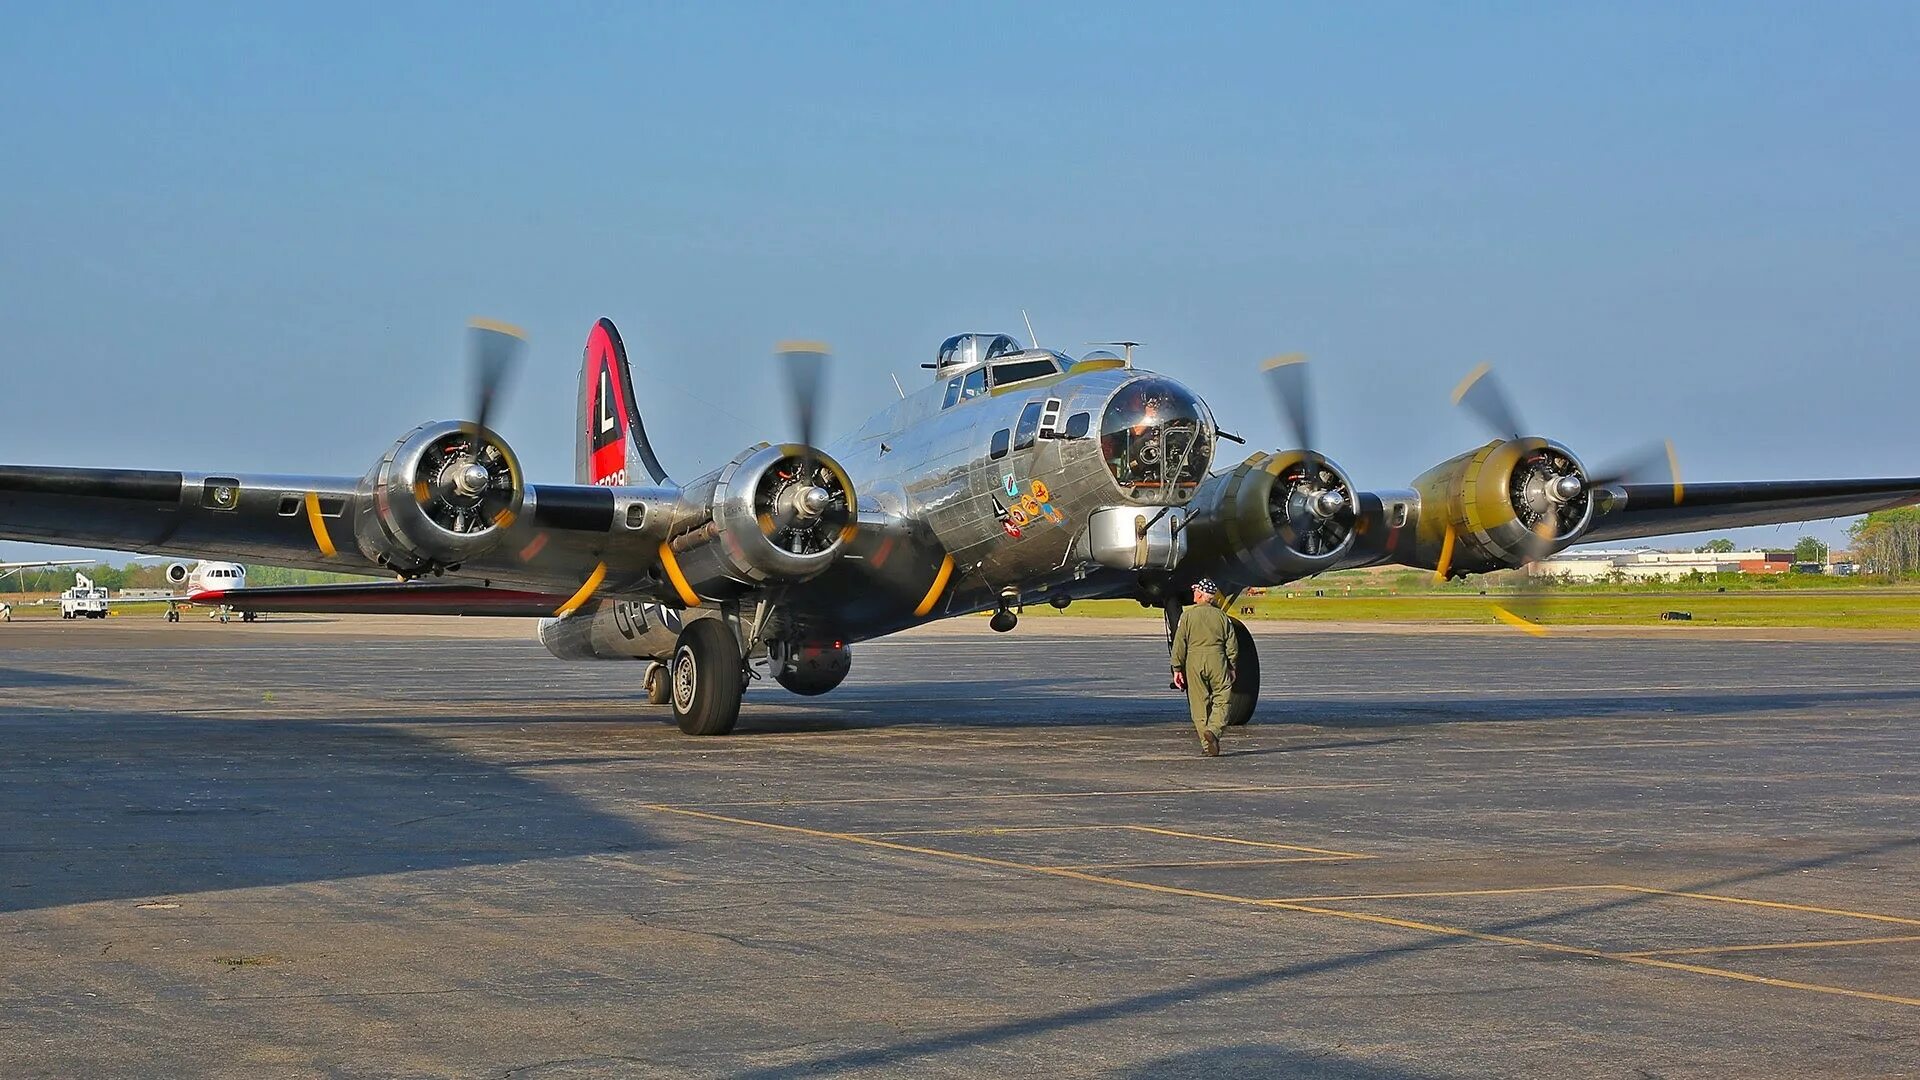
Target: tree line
1888, 542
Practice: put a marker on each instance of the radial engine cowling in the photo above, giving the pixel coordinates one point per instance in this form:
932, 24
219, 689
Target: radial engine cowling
1504, 504
444, 494
775, 514
1273, 518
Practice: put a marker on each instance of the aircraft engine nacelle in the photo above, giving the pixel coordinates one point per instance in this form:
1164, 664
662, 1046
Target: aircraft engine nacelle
445, 493
1273, 518
775, 514
177, 573
1502, 504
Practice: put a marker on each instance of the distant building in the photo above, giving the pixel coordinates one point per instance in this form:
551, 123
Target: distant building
1645, 564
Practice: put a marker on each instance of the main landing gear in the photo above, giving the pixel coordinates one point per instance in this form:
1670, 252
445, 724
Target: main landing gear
707, 677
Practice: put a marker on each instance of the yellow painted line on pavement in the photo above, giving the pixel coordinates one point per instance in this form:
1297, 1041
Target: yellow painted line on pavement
1438, 929
1717, 898
1169, 792
1432, 895
1249, 843
1175, 865
1773, 945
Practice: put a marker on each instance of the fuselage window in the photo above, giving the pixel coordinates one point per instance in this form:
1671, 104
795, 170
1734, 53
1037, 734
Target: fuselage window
1077, 425
975, 385
998, 449
1028, 428
953, 393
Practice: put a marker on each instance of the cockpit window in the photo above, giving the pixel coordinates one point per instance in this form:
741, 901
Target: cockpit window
976, 384
1022, 370
953, 393
1157, 440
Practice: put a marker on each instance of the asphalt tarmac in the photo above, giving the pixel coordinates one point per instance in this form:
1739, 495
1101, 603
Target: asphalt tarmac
335, 849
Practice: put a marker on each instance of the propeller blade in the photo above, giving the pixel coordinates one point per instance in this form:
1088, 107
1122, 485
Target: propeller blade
1650, 464
1287, 378
804, 364
1481, 394
495, 348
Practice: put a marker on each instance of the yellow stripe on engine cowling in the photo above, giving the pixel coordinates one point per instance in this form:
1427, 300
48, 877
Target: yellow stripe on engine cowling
939, 586
679, 580
1446, 558
585, 594
319, 525
1518, 622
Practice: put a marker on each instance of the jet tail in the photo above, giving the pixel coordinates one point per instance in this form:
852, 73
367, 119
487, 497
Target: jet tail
611, 441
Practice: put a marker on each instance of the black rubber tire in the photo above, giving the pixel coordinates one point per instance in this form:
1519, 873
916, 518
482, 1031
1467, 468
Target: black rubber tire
707, 678
173, 615
658, 686
811, 683
246, 616
1246, 678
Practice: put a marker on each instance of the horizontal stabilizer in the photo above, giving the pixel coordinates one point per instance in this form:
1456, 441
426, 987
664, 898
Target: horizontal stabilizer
385, 598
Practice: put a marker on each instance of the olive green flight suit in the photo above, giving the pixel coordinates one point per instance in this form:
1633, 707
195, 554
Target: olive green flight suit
1205, 649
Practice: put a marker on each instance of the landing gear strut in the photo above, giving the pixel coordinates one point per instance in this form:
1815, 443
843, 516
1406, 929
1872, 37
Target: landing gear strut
658, 684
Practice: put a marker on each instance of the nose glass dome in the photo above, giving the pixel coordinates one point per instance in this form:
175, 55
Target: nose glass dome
1157, 440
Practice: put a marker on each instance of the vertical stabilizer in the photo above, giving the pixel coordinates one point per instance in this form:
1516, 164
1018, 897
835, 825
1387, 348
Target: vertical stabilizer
611, 445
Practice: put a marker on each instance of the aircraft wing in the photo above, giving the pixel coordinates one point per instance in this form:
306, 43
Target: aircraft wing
1638, 510
386, 598
565, 535
9, 567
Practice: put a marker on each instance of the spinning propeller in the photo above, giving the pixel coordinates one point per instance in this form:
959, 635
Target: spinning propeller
1317, 509
805, 504
1551, 491
468, 482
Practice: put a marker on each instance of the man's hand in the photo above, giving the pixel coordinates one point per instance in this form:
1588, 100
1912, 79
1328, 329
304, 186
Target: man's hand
1179, 680
1233, 676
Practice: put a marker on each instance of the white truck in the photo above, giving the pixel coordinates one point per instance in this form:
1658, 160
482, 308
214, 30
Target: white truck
84, 601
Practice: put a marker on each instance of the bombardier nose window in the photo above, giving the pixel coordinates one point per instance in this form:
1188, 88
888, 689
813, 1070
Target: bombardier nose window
1156, 440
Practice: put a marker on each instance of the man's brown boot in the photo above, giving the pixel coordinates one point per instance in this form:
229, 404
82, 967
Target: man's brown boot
1209, 744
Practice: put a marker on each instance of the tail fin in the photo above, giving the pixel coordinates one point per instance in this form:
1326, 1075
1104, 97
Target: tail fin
611, 437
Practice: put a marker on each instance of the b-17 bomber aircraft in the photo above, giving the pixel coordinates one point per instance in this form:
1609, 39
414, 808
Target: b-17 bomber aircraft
1018, 476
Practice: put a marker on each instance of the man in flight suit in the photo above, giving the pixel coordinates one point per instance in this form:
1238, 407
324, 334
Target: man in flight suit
1205, 653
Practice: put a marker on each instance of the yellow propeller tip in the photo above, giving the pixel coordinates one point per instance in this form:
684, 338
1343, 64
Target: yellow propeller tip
498, 327
1519, 622
1466, 384
1283, 361
801, 347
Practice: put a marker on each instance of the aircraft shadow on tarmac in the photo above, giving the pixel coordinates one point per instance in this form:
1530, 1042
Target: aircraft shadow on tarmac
21, 679
1043, 703
1278, 1061
109, 806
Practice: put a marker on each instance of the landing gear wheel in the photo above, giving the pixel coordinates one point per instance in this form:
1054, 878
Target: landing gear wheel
1003, 621
659, 687
173, 614
1246, 677
247, 616
707, 678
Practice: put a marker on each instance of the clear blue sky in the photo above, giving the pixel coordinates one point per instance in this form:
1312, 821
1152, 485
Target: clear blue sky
1694, 221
